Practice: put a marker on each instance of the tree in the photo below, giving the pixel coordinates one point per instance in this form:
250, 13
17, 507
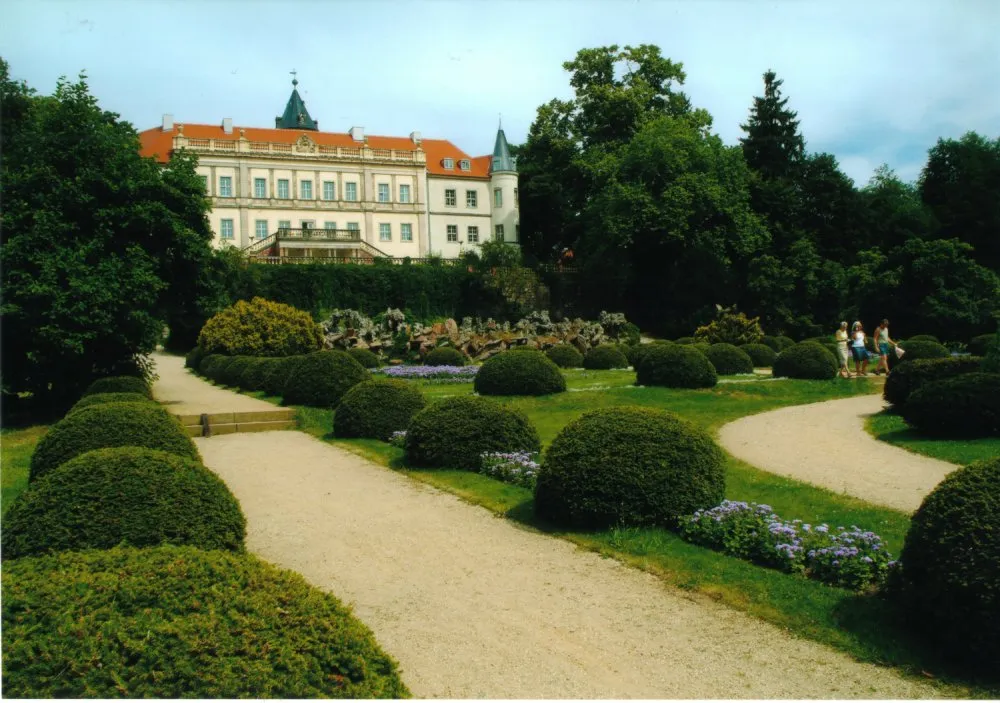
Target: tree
773, 145
893, 211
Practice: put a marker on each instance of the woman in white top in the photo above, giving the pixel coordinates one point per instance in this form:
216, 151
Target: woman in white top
842, 338
858, 350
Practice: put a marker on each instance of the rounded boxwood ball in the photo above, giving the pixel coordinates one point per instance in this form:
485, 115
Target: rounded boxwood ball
628, 466
365, 357
967, 405
760, 354
604, 357
101, 398
235, 372
911, 375
276, 374
454, 432
131, 495
979, 344
950, 565
675, 366
119, 384
924, 338
778, 343
377, 408
806, 360
527, 372
208, 363
178, 622
320, 379
913, 350
444, 356
729, 359
220, 369
192, 360
685, 340
252, 378
565, 356
110, 425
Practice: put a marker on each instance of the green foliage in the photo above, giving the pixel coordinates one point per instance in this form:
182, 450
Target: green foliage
729, 359
99, 398
444, 356
220, 369
911, 375
185, 622
773, 145
630, 334
924, 338
604, 357
914, 350
255, 371
235, 372
377, 408
260, 328
685, 340
365, 357
123, 495
208, 364
320, 379
110, 425
779, 343
454, 433
675, 366
635, 353
979, 344
493, 254
119, 384
950, 580
991, 362
276, 374
967, 405
701, 348
730, 328
565, 356
527, 372
628, 466
760, 354
806, 360
192, 360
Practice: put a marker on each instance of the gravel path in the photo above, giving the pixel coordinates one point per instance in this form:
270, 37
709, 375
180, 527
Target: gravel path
826, 444
184, 393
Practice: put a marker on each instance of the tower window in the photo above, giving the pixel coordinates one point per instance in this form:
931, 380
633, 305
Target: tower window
497, 197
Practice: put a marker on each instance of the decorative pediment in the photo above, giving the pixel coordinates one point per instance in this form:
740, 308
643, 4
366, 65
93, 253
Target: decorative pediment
305, 145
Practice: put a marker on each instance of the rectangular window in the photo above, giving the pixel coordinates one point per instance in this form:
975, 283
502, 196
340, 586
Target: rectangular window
385, 232
353, 227
283, 188
329, 225
471, 199
473, 235
351, 192
329, 190
383, 192
260, 187
260, 227
404, 193
226, 186
498, 233
406, 233
226, 229
284, 224
306, 190
449, 198
452, 233
204, 182
497, 197
308, 224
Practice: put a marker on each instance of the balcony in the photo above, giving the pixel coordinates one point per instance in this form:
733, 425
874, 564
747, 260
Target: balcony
312, 234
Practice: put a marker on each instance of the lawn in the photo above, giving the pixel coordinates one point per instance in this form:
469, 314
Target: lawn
16, 447
890, 427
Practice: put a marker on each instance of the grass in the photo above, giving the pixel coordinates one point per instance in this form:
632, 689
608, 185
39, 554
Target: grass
890, 427
16, 447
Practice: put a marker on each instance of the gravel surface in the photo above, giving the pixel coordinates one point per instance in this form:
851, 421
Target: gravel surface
183, 393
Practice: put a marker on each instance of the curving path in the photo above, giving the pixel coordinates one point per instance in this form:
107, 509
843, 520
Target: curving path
826, 444
186, 394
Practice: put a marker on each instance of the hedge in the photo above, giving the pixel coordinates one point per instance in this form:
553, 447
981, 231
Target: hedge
365, 357
527, 372
675, 366
320, 379
565, 356
760, 354
192, 360
377, 408
276, 374
604, 357
119, 384
260, 328
967, 405
101, 398
911, 375
728, 359
778, 343
444, 356
181, 622
806, 360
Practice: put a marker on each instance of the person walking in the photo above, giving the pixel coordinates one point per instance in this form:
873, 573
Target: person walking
858, 349
842, 338
882, 341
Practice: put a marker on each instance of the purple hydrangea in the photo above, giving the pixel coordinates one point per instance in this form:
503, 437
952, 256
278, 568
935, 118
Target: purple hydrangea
518, 468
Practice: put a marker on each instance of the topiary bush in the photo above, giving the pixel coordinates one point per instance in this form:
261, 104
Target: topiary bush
806, 360
760, 354
924, 338
636, 353
911, 375
123, 495
628, 466
454, 433
119, 384
234, 373
257, 367
675, 366
177, 622
913, 351
110, 425
208, 363
320, 379
260, 328
604, 357
219, 369
527, 372
377, 408
685, 340
967, 405
100, 398
778, 343
192, 360
367, 358
276, 374
949, 583
565, 356
444, 356
728, 359
980, 344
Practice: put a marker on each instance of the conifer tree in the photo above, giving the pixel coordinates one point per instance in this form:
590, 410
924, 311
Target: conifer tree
773, 145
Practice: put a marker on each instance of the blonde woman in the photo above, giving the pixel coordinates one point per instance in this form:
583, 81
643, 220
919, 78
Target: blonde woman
842, 338
858, 349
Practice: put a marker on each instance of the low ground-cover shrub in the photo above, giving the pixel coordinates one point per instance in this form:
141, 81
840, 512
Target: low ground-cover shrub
173, 622
565, 356
119, 384
675, 366
377, 408
365, 357
260, 328
728, 359
439, 374
110, 425
444, 356
760, 354
320, 379
628, 466
527, 372
455, 432
517, 468
806, 360
101, 398
131, 495
967, 405
911, 375
604, 357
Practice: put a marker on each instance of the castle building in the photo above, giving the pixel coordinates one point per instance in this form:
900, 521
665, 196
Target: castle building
296, 191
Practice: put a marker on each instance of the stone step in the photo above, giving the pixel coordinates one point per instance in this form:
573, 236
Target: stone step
254, 425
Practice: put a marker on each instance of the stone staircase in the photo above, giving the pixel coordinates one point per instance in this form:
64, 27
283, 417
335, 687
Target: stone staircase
208, 424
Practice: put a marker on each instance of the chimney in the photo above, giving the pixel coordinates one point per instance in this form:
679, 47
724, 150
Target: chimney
415, 137
168, 123
358, 134
227, 125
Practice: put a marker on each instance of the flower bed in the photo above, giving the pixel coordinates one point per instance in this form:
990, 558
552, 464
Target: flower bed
438, 374
518, 468
848, 558
398, 439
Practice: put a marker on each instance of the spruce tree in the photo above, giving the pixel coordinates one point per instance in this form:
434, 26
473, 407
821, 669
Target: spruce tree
773, 145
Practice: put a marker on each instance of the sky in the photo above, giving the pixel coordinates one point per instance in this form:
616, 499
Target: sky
873, 82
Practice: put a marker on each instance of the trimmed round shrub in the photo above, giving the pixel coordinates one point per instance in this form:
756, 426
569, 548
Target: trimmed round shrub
276, 374
604, 357
980, 344
175, 622
729, 359
527, 372
701, 347
110, 425
257, 367
367, 358
778, 343
636, 353
123, 495
760, 354
913, 350
119, 384
235, 371
444, 356
208, 363
967, 405
924, 338
911, 375
377, 408
260, 328
453, 433
100, 398
675, 366
806, 360
219, 369
685, 340
628, 466
565, 356
949, 582
192, 360
320, 379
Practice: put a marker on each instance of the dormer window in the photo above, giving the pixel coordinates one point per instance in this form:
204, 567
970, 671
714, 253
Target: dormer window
449, 163
465, 165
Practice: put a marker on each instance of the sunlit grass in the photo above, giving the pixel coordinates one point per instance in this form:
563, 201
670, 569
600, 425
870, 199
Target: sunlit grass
891, 428
16, 448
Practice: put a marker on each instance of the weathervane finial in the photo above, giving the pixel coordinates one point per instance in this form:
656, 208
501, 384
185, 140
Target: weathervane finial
295, 80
